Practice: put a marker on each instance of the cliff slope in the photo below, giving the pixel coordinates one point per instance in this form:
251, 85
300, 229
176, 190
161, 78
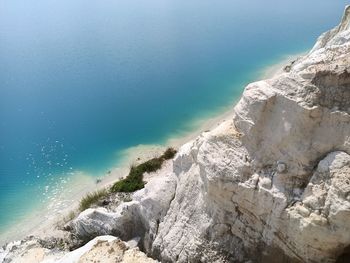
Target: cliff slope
270, 185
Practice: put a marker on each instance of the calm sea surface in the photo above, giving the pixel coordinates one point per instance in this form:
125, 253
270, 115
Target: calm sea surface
81, 80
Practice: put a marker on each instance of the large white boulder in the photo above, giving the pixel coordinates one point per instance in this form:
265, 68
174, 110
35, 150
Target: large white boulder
138, 218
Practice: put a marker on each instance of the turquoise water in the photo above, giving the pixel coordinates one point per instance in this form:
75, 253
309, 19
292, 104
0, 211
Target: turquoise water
81, 80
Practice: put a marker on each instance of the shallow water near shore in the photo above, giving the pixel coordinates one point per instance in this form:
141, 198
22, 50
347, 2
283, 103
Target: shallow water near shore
82, 81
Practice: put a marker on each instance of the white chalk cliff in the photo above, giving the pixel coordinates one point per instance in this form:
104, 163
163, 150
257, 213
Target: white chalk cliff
270, 185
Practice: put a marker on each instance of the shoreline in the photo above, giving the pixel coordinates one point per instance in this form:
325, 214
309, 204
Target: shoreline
42, 223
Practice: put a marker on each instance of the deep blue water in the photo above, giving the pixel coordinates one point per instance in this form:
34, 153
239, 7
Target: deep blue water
81, 80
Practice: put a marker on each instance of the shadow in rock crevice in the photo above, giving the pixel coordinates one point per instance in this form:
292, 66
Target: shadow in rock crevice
345, 256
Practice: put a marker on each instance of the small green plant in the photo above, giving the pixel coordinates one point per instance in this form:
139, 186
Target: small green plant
61, 244
91, 199
169, 154
71, 215
134, 181
131, 183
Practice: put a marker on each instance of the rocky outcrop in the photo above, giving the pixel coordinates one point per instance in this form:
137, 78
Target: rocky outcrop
102, 249
139, 218
106, 249
270, 185
27, 250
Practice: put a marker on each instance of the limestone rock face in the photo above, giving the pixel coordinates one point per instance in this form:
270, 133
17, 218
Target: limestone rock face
270, 185
273, 184
139, 218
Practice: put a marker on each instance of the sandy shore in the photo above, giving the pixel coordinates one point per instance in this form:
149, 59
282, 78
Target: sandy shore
43, 221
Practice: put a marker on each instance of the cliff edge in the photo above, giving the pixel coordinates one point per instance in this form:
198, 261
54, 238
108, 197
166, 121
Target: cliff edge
270, 185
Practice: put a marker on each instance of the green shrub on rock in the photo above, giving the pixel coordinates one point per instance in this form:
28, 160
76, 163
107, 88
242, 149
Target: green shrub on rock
134, 181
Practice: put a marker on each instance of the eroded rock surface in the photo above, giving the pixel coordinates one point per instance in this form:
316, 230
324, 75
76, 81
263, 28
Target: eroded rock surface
106, 249
102, 249
270, 185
